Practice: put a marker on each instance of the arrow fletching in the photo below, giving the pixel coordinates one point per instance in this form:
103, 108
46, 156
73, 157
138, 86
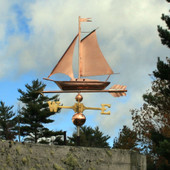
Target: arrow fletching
119, 90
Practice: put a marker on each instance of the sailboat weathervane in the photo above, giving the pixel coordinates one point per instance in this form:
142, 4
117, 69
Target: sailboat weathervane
91, 63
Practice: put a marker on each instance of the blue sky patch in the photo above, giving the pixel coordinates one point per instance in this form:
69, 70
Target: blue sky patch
21, 20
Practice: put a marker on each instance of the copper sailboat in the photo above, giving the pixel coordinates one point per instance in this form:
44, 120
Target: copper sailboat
91, 63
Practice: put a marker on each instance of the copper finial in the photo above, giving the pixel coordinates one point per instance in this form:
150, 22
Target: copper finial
78, 119
79, 97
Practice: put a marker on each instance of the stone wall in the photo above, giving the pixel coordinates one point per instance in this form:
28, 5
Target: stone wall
38, 156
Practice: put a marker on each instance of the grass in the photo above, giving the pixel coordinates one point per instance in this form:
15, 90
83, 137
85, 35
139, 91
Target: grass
71, 161
24, 160
57, 167
109, 153
18, 150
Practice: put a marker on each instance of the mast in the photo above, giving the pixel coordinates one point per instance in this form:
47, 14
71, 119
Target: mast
79, 57
79, 34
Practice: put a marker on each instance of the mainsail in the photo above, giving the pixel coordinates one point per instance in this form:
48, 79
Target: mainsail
65, 63
92, 61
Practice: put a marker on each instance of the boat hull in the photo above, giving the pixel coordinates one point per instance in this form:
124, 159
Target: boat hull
82, 85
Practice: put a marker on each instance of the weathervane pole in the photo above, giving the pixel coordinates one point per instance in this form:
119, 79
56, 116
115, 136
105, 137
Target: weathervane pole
78, 135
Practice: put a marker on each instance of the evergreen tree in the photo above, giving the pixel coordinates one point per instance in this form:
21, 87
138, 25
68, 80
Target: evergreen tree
90, 137
152, 121
127, 139
54, 137
7, 122
35, 112
165, 33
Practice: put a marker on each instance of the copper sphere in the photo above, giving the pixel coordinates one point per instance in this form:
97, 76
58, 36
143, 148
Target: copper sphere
78, 119
79, 98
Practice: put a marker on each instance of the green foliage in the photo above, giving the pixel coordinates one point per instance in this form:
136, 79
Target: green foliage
7, 122
24, 160
71, 161
35, 112
127, 139
152, 121
18, 150
109, 153
163, 70
90, 137
165, 33
164, 148
91, 168
8, 160
57, 167
58, 140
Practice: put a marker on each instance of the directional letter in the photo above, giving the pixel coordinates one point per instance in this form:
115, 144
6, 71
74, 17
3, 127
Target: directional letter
103, 109
53, 106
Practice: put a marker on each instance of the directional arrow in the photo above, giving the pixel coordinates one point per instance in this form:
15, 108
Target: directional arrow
115, 91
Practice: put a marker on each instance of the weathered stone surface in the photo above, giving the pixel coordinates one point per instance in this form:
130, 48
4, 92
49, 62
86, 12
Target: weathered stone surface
38, 156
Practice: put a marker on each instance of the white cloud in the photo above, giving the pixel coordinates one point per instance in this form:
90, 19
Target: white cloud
123, 25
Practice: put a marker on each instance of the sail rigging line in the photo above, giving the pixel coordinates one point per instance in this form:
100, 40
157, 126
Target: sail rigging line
108, 77
88, 35
85, 32
65, 63
89, 31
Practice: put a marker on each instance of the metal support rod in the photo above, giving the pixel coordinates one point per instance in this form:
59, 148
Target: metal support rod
78, 135
65, 138
78, 130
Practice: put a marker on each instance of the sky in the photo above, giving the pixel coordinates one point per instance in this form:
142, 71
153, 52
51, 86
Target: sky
34, 35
